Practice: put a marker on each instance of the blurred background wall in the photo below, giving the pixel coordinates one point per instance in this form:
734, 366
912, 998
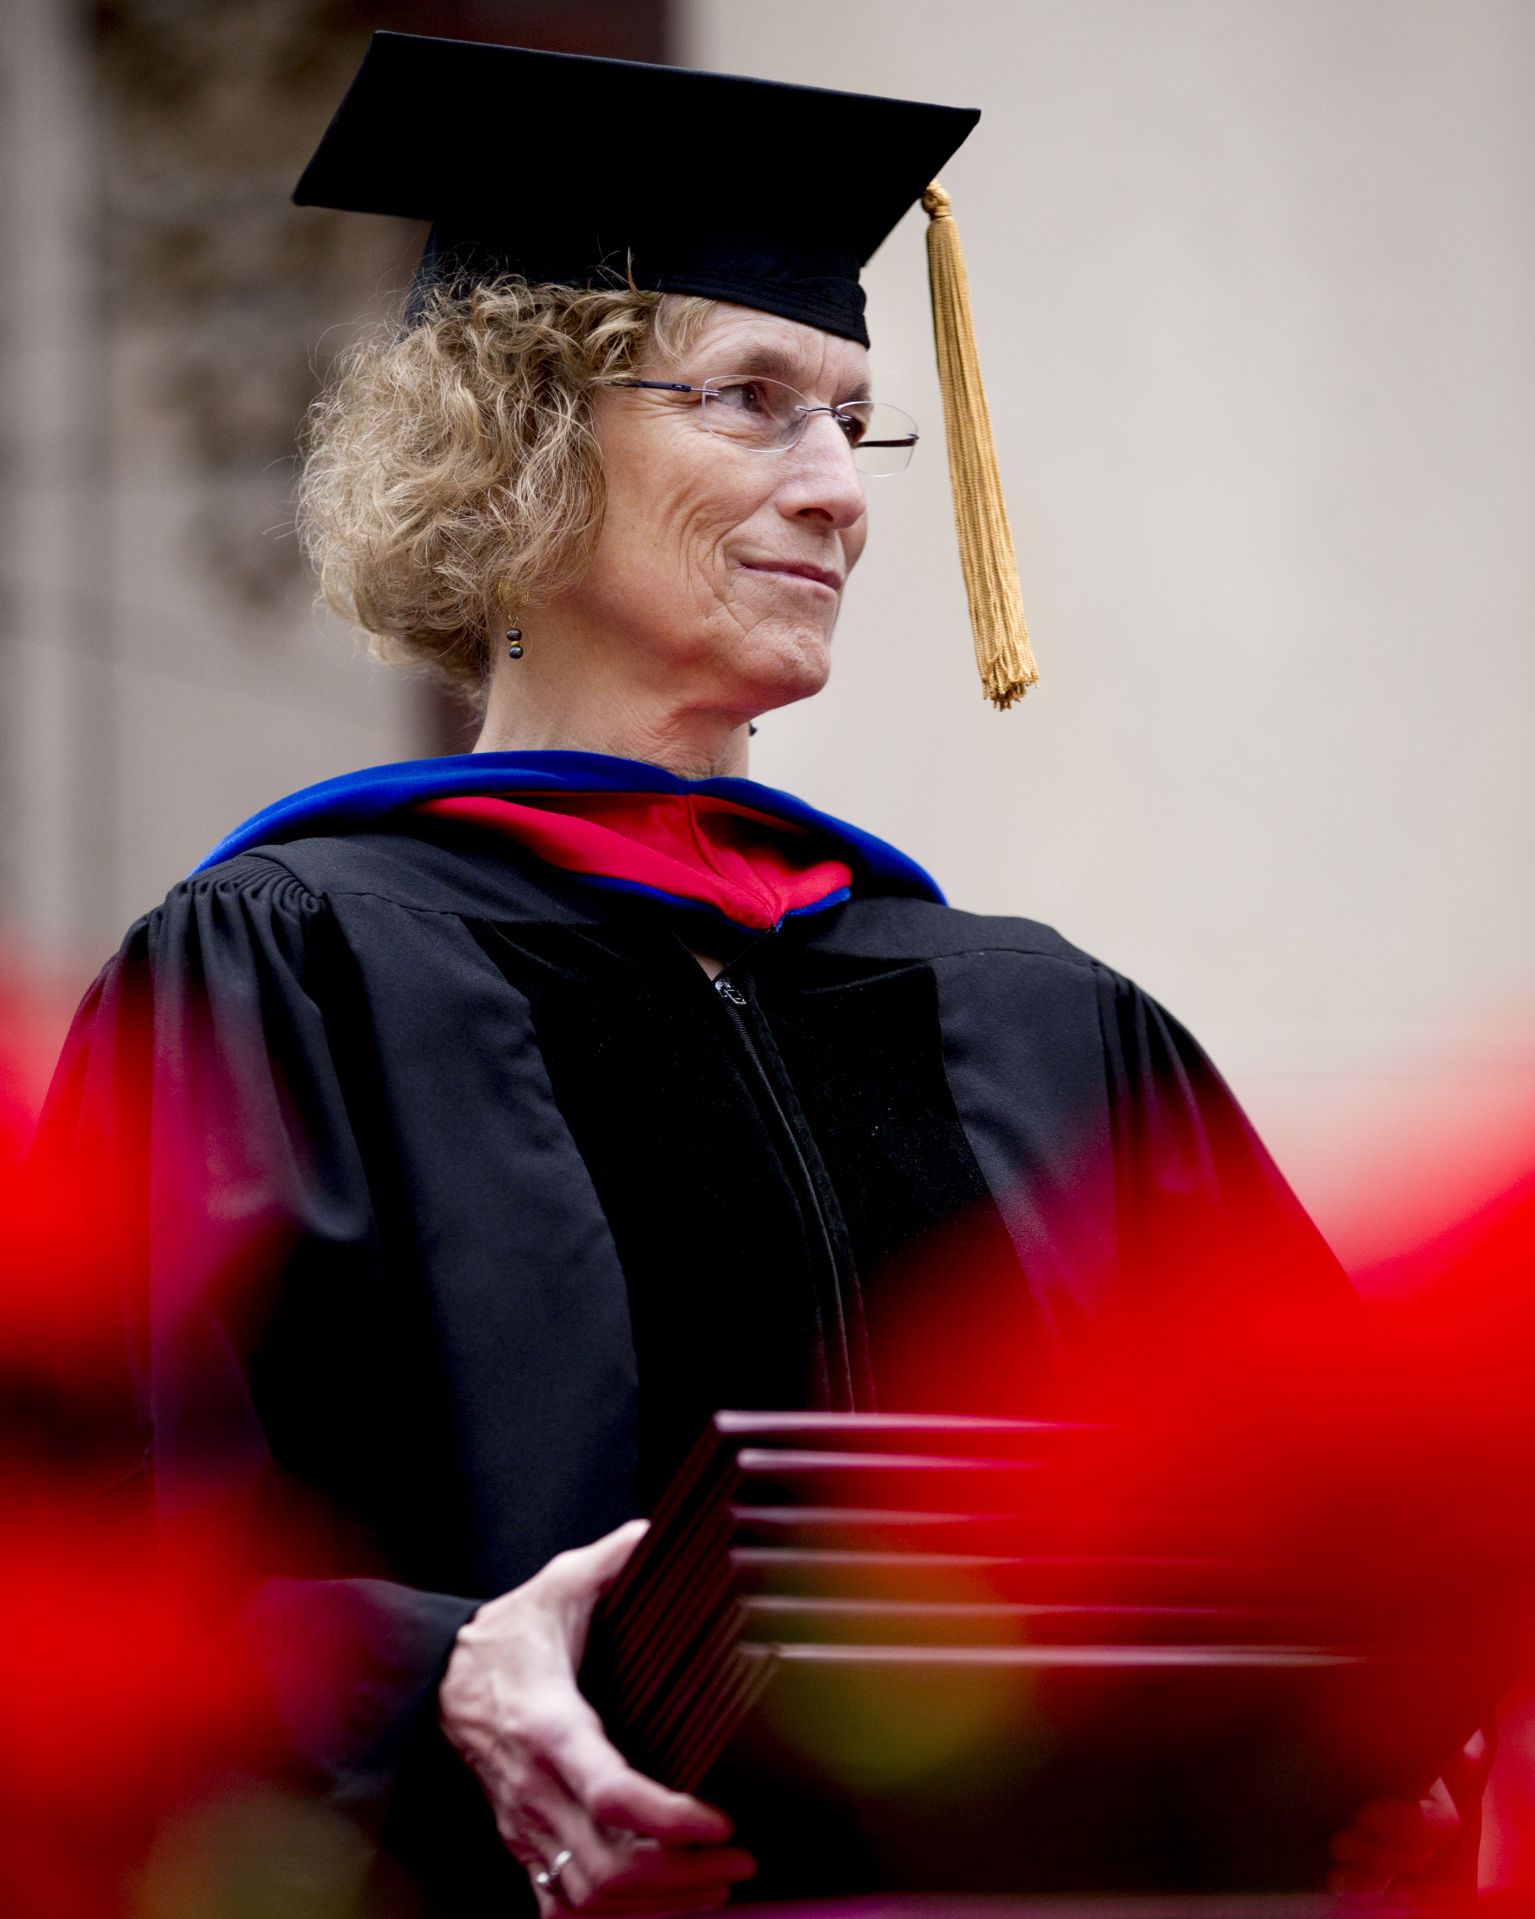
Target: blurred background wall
1254, 286
1255, 291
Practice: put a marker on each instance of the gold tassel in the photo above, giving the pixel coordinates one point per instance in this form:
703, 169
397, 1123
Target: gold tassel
986, 556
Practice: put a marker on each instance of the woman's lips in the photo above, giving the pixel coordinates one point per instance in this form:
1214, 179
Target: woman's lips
803, 570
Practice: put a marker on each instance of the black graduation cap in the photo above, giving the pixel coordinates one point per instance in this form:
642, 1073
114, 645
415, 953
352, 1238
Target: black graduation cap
560, 167
584, 171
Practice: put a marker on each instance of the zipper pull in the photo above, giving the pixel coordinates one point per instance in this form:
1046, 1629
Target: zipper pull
728, 990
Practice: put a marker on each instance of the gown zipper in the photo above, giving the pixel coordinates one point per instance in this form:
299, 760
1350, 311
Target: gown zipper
848, 1377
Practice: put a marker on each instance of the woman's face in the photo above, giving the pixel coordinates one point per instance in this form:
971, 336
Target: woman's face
719, 570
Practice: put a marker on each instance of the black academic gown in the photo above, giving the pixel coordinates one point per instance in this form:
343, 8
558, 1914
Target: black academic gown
533, 1197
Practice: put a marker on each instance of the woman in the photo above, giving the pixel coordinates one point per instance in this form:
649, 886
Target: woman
579, 1086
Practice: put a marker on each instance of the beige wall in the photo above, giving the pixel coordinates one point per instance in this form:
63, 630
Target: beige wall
1255, 291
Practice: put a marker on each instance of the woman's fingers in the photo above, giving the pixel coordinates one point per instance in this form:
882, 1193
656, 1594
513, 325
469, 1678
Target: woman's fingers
614, 1794
1392, 1839
664, 1905
617, 1898
1431, 1821
1466, 1774
577, 1578
643, 1868
1380, 1861
1349, 1879
610, 1872
635, 1846
562, 1834
591, 1569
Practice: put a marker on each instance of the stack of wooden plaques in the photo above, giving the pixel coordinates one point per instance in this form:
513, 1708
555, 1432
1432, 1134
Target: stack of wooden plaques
927, 1654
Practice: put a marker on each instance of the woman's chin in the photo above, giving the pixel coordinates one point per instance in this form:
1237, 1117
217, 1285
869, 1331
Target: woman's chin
793, 666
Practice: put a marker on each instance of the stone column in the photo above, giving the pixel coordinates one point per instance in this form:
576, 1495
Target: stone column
56, 816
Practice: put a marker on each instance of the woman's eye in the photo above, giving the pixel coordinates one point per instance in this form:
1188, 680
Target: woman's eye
745, 396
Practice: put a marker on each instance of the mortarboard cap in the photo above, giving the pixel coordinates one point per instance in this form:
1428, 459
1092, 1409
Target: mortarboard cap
582, 171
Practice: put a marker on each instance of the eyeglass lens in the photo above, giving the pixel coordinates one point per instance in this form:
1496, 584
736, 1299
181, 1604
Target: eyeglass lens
765, 416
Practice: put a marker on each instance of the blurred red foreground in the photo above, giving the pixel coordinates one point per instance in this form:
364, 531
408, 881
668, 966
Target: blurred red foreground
1394, 1445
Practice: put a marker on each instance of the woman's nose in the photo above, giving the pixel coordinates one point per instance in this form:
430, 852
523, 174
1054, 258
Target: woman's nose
821, 477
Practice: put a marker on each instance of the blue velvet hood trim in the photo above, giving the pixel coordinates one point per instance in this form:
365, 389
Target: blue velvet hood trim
356, 801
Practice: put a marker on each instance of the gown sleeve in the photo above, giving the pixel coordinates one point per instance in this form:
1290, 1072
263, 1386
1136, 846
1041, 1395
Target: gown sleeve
1218, 1254
1208, 1227
199, 1079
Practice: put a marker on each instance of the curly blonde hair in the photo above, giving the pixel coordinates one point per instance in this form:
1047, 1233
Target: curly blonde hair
451, 470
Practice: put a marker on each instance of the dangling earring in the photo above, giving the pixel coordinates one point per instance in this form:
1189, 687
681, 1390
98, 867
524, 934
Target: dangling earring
510, 601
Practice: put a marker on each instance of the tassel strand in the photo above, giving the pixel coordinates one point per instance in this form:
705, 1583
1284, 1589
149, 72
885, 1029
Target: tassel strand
986, 556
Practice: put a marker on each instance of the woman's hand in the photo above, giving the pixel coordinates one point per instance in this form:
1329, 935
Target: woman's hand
1392, 1841
1407, 1842
509, 1703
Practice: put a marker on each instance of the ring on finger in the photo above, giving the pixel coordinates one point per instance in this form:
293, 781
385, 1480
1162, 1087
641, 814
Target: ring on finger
547, 1878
